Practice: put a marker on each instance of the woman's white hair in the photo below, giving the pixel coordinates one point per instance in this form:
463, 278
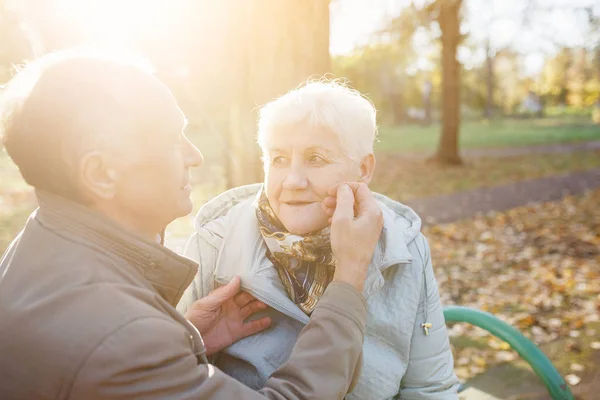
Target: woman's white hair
324, 104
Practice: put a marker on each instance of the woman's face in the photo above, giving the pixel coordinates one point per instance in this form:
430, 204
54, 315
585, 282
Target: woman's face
301, 165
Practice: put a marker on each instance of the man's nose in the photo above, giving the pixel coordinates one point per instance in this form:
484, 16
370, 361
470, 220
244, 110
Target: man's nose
194, 157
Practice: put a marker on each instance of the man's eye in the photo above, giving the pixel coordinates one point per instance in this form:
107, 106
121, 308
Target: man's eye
278, 160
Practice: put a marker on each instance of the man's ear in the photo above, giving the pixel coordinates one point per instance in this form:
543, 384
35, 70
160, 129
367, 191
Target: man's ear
367, 168
97, 177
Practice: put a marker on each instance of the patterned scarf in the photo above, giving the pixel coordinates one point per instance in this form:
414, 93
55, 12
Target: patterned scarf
304, 263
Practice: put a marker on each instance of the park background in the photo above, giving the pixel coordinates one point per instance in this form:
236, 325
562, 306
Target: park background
489, 126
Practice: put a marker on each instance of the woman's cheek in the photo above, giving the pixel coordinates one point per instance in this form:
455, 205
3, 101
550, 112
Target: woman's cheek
272, 182
324, 178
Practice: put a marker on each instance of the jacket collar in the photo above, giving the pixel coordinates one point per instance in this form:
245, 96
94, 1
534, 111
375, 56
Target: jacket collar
391, 248
168, 273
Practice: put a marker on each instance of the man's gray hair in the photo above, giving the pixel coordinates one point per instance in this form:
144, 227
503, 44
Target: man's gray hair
59, 105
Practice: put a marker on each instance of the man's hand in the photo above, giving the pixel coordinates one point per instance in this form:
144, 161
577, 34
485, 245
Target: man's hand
220, 316
356, 224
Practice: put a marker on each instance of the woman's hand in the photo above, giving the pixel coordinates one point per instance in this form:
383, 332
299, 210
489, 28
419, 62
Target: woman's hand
220, 316
356, 224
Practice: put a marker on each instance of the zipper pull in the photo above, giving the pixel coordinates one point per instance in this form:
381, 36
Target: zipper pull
426, 326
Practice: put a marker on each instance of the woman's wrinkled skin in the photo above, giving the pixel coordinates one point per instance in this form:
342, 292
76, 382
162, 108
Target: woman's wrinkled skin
301, 164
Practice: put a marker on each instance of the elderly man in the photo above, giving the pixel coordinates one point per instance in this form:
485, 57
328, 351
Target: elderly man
87, 293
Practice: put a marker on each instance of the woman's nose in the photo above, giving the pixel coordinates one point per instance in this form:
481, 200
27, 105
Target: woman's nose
295, 179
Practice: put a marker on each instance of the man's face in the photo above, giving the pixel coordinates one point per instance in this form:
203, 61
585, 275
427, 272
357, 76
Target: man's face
152, 179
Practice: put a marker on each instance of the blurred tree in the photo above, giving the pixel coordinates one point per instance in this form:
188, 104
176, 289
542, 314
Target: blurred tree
447, 14
489, 78
486, 19
554, 78
393, 72
571, 78
376, 69
511, 86
576, 78
593, 85
15, 50
382, 70
228, 58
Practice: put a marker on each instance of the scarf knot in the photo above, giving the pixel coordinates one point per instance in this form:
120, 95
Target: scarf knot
304, 263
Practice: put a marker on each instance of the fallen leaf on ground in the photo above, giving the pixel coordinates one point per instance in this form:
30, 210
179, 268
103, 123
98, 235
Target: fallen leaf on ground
535, 267
577, 367
572, 379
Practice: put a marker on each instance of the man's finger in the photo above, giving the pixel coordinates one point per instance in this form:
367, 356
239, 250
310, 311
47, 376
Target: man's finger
252, 308
253, 327
365, 202
332, 191
345, 203
220, 295
243, 298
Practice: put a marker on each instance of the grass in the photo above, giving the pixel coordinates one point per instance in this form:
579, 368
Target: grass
498, 133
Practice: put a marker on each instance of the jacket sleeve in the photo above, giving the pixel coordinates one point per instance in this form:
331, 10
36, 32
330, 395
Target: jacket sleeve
430, 372
152, 358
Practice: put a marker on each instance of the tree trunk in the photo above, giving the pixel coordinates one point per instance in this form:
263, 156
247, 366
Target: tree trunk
576, 79
449, 21
596, 110
427, 89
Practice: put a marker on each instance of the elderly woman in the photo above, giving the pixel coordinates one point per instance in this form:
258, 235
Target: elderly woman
275, 236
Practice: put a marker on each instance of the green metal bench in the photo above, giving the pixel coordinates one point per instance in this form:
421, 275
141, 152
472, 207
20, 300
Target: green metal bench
541, 365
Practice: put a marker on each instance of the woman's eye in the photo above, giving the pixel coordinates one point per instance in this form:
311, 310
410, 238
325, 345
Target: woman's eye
315, 159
